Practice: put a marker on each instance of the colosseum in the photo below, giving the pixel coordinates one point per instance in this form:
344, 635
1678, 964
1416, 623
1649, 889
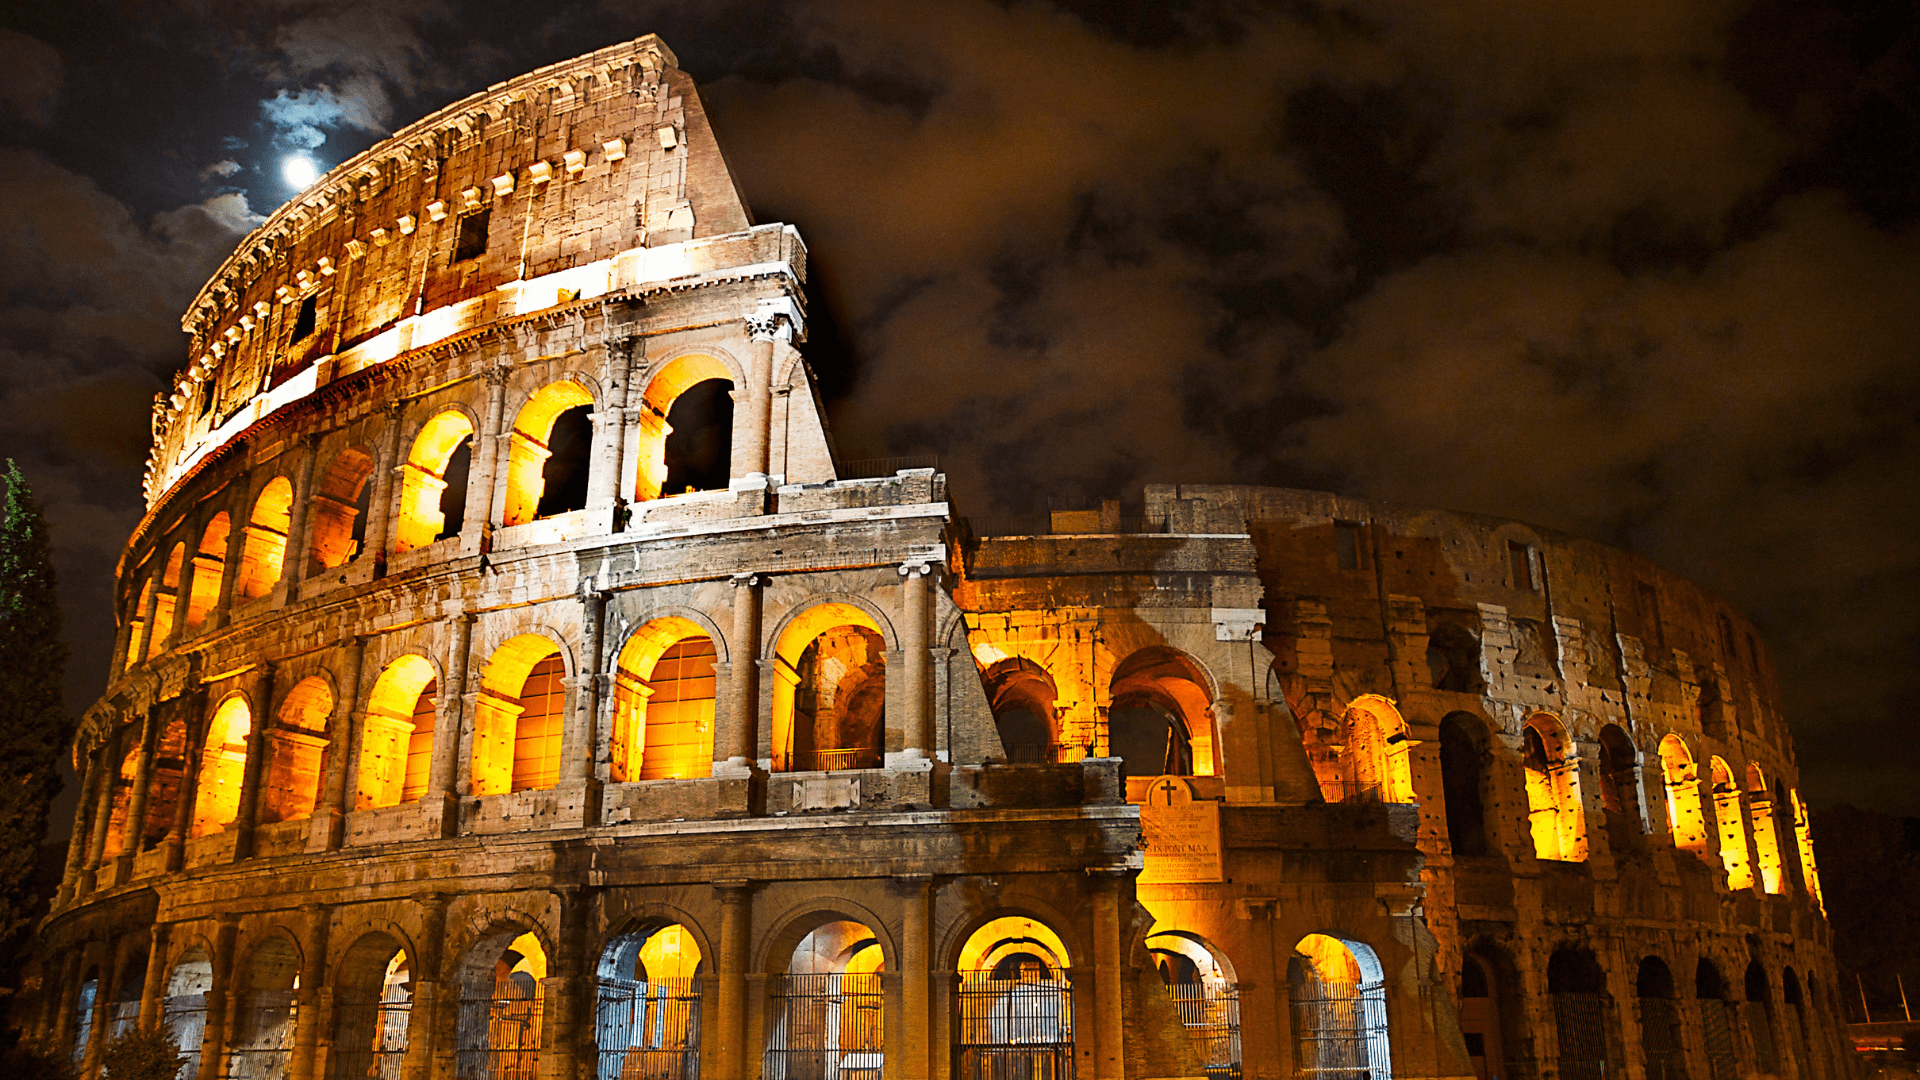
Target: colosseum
511, 682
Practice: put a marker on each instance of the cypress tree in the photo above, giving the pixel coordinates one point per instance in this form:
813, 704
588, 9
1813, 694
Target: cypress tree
34, 728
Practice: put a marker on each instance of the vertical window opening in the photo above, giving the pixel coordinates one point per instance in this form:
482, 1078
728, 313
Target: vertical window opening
1346, 544
563, 478
1520, 559
1655, 630
699, 444
472, 242
453, 497
303, 323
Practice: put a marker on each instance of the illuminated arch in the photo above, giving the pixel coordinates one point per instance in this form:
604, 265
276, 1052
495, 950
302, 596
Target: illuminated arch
423, 480
829, 689
519, 716
528, 450
1803, 838
209, 564
674, 378
501, 981
298, 745
647, 1009
1766, 840
166, 602
1732, 827
137, 626
216, 800
1377, 752
396, 737
265, 548
1015, 1005
1339, 1009
262, 1041
1199, 980
373, 1006
1685, 817
663, 695
1554, 813
1160, 714
337, 520
1022, 696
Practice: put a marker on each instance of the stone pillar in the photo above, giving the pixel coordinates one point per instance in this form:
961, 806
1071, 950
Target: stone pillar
238, 519
64, 1019
610, 429
109, 766
1109, 1024
293, 566
725, 1050
213, 1044
380, 501
133, 835
743, 693
917, 678
483, 475
568, 1034
150, 643
916, 1014
579, 741
429, 977
153, 990
310, 1018
441, 798
329, 826
260, 701
77, 843
194, 705
765, 330
103, 990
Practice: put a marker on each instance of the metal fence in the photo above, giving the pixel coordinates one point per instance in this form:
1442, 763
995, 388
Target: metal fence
1660, 1043
872, 468
1760, 1030
1014, 1030
826, 1027
265, 1040
499, 1036
1340, 1031
1580, 1020
1716, 1023
185, 1019
372, 1041
1211, 1015
856, 757
648, 1030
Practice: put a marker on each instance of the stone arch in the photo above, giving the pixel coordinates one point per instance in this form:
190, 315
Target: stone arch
166, 600
1199, 978
263, 1031
1022, 695
1160, 713
1014, 1008
1464, 757
1582, 1012
1731, 823
1554, 812
209, 564
647, 988
216, 800
1453, 659
826, 994
829, 687
373, 997
519, 715
433, 479
1716, 1019
183, 1008
1620, 787
1686, 820
1757, 1004
337, 520
1766, 840
676, 374
663, 701
1339, 1007
397, 731
1493, 1019
548, 415
499, 981
1377, 751
801, 918
297, 747
642, 915
1803, 841
264, 551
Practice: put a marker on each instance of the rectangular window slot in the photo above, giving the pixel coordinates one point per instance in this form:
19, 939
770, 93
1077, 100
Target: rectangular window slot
1520, 557
303, 325
1346, 544
473, 236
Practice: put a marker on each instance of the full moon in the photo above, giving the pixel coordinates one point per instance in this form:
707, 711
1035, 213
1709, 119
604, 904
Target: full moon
300, 171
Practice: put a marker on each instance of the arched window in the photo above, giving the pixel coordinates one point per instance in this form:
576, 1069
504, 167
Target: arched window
1620, 788
338, 520
373, 996
1716, 1021
122, 796
209, 563
433, 482
169, 775
1803, 839
1758, 1008
1453, 659
647, 1019
1685, 818
1661, 1044
396, 738
1205, 994
1339, 1010
830, 691
183, 1012
1160, 720
166, 602
519, 717
1553, 792
1766, 842
83, 1018
137, 626
663, 693
217, 800
1015, 1002
296, 755
828, 1011
1582, 1013
263, 1032
1462, 742
1022, 697
1375, 759
547, 454
266, 545
502, 982
699, 432
1799, 1043
1732, 826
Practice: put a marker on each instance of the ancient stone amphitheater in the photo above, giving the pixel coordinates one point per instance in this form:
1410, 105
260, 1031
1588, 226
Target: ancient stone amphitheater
512, 683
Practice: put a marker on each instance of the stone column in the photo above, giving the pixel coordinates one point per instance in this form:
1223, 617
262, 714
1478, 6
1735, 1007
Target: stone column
194, 705
213, 1044
329, 826
610, 428
743, 692
238, 519
380, 501
441, 798
77, 843
293, 566
917, 726
765, 329
1109, 1024
569, 985
483, 475
133, 835
260, 700
726, 1049
916, 1014
109, 766
579, 740
153, 990
310, 1019
429, 977
68, 1008
183, 591
103, 991
149, 644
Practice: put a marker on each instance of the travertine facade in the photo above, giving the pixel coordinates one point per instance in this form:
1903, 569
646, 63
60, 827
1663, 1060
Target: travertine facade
466, 724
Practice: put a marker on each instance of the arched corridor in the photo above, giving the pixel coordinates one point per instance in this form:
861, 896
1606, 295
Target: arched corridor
647, 1010
827, 1017
1015, 1003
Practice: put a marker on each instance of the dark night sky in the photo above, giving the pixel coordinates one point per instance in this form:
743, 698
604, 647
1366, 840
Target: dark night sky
1647, 271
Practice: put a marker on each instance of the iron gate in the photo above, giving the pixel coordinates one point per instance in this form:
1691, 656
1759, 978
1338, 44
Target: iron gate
373, 1039
499, 1036
1581, 1022
185, 1018
1660, 1039
648, 1030
1716, 1024
1212, 1018
1014, 1030
1340, 1031
265, 1037
826, 1027
1760, 1025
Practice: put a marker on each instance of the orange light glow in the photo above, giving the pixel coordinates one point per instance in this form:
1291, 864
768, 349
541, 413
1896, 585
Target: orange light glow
517, 718
663, 696
676, 378
1685, 816
1554, 811
1733, 833
423, 478
297, 752
390, 733
266, 544
209, 562
1766, 843
217, 801
527, 452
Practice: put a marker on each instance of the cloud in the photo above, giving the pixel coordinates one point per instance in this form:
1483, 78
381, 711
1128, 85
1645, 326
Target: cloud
31, 77
224, 167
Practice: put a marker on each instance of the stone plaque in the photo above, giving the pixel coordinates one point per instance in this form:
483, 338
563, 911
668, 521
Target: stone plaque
1181, 836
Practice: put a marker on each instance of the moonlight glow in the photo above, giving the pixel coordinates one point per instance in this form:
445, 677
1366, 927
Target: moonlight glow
300, 171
